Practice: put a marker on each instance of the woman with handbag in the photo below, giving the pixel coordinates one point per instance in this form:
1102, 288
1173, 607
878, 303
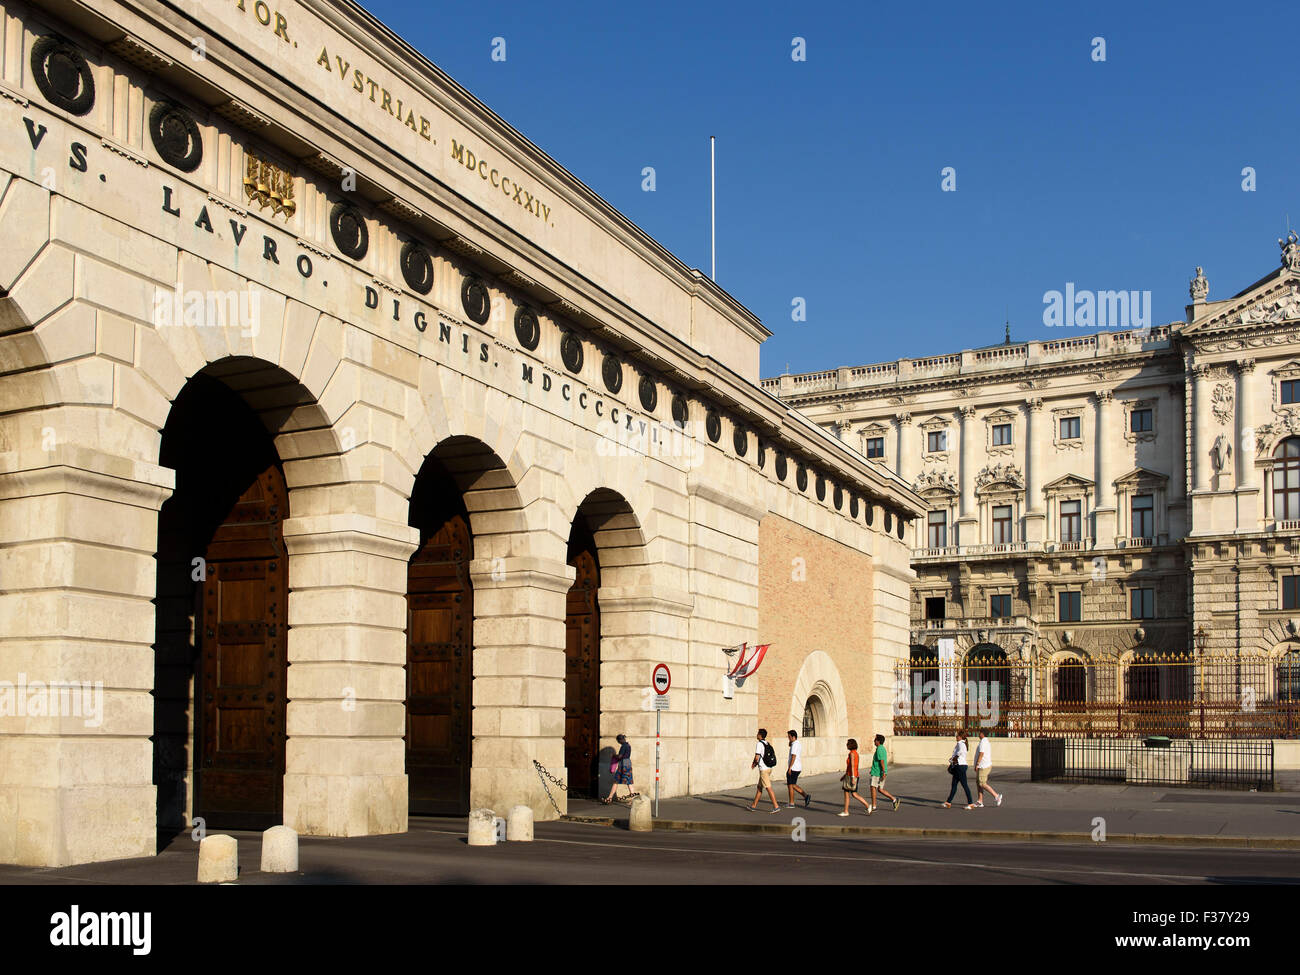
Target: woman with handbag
621, 767
957, 769
849, 780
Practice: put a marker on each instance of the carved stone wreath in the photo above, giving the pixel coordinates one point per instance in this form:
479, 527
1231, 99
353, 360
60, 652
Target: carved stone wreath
417, 267
62, 75
527, 329
176, 136
348, 228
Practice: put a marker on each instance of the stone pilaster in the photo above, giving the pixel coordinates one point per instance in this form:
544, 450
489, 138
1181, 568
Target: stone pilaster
1034, 511
904, 454
77, 580
1249, 509
345, 761
968, 530
1201, 439
519, 613
1104, 521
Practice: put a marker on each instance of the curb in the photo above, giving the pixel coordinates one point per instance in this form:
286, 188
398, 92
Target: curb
1021, 836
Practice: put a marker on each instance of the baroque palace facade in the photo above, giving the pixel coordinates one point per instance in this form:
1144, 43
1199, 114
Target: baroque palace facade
355, 456
1100, 500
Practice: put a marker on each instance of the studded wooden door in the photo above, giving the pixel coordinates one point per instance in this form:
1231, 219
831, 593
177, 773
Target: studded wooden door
439, 671
243, 604
582, 669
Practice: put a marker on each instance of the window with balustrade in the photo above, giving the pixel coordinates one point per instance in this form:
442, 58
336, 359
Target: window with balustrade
938, 529
1286, 480
1143, 516
1071, 521
1002, 530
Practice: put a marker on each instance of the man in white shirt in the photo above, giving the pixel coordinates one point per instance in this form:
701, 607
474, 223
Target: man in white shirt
794, 765
983, 766
760, 762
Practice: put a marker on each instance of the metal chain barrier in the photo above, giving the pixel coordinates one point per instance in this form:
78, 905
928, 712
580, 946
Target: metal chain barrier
543, 775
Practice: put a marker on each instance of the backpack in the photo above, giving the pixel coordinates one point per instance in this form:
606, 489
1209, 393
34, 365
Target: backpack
769, 755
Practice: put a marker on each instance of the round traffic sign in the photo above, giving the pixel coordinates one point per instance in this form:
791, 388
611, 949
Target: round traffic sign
661, 680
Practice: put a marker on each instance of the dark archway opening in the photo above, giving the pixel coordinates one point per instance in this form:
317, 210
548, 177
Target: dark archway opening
582, 663
221, 617
439, 648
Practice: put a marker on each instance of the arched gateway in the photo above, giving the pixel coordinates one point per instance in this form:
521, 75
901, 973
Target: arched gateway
351, 503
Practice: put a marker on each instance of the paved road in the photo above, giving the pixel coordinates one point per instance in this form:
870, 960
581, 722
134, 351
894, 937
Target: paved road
1031, 806
434, 851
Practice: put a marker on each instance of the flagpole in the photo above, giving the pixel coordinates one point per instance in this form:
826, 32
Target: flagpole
713, 211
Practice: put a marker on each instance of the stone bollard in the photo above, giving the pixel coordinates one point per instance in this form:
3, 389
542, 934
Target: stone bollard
519, 825
639, 820
218, 860
280, 850
482, 827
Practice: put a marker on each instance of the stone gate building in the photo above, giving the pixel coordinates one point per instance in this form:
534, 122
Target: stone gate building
354, 455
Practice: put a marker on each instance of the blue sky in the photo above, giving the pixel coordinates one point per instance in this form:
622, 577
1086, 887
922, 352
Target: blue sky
1122, 174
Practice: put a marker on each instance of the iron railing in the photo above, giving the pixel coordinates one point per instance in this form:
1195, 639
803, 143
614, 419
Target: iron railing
1188, 762
1180, 695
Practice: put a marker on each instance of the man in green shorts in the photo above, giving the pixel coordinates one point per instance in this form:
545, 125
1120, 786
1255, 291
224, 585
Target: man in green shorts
879, 769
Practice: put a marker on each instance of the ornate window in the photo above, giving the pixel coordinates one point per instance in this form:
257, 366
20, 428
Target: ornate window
1139, 420
934, 433
1002, 530
875, 448
1000, 432
1071, 520
1286, 480
1069, 606
1067, 428
937, 523
1143, 515
1000, 606
1140, 500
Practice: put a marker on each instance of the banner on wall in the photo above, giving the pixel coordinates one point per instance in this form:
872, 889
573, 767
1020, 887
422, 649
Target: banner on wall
947, 672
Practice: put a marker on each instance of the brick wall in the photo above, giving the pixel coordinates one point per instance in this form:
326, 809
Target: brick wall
815, 595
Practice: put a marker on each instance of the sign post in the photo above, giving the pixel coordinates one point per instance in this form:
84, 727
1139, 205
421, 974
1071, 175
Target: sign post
660, 680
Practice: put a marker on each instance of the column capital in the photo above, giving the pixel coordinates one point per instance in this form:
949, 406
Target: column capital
967, 412
1200, 371
904, 419
1034, 405
1103, 397
1245, 366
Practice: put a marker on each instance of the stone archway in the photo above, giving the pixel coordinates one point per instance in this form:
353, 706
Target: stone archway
819, 680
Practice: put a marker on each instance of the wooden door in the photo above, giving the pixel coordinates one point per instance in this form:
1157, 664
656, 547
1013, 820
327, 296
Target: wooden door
439, 671
582, 668
241, 617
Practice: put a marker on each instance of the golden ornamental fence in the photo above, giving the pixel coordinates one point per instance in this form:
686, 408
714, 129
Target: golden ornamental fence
1177, 695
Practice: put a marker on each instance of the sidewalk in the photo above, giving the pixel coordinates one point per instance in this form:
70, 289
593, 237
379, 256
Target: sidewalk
1030, 811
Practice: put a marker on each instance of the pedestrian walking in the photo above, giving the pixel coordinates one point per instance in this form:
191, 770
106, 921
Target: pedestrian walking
879, 769
849, 780
793, 766
957, 769
621, 766
983, 766
764, 761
